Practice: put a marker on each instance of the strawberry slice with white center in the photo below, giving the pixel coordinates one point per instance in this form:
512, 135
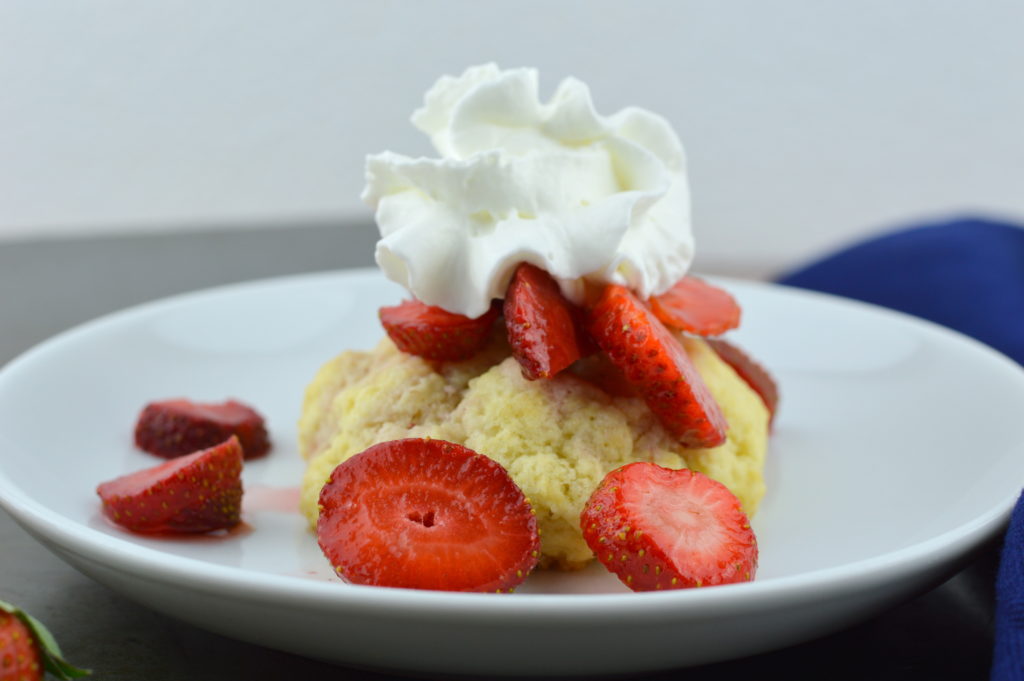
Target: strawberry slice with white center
658, 528
427, 514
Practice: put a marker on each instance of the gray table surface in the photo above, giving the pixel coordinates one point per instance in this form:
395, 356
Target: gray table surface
49, 285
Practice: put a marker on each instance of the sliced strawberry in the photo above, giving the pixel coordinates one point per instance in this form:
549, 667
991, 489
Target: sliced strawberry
756, 376
427, 514
658, 528
541, 323
436, 334
201, 492
178, 427
695, 306
27, 648
655, 364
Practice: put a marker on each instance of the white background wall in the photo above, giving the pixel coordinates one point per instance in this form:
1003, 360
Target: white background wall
808, 122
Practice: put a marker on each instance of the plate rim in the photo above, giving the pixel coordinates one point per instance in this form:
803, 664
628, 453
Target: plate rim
122, 555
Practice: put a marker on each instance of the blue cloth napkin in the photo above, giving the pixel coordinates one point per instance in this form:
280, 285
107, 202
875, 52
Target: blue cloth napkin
1008, 660
968, 275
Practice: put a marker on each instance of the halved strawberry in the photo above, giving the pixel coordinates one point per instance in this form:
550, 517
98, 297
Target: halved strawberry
655, 364
28, 649
695, 306
657, 528
178, 427
541, 323
436, 334
427, 514
756, 376
201, 492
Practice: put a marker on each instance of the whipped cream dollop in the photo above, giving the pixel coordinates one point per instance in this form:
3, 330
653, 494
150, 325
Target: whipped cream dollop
584, 196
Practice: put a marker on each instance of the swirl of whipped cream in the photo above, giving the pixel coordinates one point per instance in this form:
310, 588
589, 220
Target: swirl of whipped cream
584, 196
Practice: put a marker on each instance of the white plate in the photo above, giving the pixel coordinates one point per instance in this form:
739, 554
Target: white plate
898, 449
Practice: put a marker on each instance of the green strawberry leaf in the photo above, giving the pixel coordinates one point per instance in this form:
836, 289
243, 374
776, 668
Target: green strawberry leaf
53, 659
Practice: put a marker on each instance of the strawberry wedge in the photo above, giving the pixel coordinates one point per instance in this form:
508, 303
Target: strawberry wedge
541, 323
201, 492
172, 428
656, 365
436, 334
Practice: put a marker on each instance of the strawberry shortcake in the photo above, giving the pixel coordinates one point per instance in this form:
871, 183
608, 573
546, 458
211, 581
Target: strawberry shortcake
552, 326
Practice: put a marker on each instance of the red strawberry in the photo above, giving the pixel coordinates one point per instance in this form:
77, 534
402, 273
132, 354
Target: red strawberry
658, 528
541, 323
436, 334
427, 514
27, 648
201, 492
696, 306
177, 427
655, 364
19, 656
756, 376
